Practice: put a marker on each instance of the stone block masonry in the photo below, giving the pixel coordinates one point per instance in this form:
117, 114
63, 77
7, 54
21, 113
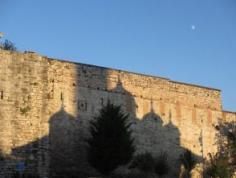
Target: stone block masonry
46, 105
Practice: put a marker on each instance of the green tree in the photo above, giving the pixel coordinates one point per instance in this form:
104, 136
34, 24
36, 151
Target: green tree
8, 45
218, 167
223, 163
110, 144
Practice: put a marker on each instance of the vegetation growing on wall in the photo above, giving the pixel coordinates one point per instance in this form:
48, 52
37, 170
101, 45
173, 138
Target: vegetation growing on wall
7, 44
25, 110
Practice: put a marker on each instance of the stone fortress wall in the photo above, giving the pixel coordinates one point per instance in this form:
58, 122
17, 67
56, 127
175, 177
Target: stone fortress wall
46, 104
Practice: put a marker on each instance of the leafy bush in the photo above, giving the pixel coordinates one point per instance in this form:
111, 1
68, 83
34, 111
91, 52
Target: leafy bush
24, 175
144, 162
110, 144
188, 160
133, 174
223, 163
161, 164
8, 45
218, 167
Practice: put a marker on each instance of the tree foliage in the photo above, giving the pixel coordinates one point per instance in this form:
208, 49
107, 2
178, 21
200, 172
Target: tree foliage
8, 45
218, 167
223, 163
188, 160
110, 144
144, 162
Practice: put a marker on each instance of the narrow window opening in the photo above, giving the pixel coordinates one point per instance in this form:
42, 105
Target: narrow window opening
1, 95
62, 98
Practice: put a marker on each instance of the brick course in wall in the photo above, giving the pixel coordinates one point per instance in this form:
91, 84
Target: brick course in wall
46, 105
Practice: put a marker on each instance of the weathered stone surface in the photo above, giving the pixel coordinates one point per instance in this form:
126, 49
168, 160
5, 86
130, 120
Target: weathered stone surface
46, 104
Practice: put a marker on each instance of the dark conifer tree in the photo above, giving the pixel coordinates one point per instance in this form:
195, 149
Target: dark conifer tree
110, 144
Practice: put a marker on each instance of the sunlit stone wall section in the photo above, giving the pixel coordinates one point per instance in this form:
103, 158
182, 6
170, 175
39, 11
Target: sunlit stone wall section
46, 101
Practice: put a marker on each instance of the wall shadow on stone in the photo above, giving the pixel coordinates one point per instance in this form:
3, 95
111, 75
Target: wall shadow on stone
65, 146
66, 155
67, 151
153, 135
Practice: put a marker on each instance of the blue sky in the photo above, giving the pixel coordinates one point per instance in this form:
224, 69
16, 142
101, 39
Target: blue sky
192, 41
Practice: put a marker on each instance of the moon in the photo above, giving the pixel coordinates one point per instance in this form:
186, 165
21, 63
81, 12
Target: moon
193, 27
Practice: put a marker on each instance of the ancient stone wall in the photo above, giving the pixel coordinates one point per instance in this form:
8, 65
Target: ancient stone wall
46, 105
